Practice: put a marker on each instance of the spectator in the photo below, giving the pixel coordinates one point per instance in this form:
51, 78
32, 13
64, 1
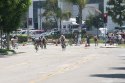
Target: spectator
63, 42
44, 42
96, 40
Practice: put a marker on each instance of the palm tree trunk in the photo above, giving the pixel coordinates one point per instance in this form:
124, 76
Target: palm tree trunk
55, 18
1, 38
80, 15
60, 27
80, 22
8, 41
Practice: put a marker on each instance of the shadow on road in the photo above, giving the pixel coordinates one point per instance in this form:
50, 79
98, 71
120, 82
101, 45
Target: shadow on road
118, 68
120, 76
5, 56
122, 56
123, 59
20, 52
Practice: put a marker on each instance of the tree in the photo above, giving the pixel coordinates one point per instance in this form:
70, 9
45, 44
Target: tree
94, 20
89, 21
98, 21
81, 4
116, 10
53, 14
63, 16
11, 12
51, 10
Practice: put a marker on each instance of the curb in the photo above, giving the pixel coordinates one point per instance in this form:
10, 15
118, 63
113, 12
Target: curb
109, 47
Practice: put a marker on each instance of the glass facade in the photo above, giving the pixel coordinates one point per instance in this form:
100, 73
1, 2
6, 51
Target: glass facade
37, 5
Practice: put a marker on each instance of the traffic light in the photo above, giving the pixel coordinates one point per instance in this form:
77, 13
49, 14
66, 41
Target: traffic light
77, 20
105, 17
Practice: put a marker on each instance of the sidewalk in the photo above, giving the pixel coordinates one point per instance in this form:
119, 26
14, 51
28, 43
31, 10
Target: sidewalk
109, 46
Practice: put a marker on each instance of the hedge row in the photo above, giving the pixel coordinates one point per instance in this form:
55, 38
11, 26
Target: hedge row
5, 51
22, 38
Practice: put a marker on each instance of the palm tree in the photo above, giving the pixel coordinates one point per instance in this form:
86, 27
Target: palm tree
50, 11
53, 12
66, 15
81, 4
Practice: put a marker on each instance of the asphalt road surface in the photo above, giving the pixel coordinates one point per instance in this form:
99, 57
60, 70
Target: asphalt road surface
76, 64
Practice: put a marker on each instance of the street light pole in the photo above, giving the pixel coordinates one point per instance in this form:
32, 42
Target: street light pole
28, 25
105, 33
40, 13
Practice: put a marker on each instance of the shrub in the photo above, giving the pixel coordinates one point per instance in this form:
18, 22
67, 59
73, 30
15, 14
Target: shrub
22, 38
69, 36
5, 51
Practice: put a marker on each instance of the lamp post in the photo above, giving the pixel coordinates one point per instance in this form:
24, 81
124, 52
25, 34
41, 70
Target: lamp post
28, 25
40, 14
105, 22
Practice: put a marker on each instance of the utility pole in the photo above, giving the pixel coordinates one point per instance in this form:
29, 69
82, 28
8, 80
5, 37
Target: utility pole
105, 23
40, 14
60, 20
28, 24
105, 34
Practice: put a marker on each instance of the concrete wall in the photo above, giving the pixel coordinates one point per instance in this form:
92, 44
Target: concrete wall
31, 15
89, 8
40, 19
65, 6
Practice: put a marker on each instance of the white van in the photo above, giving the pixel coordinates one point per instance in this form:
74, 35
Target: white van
69, 26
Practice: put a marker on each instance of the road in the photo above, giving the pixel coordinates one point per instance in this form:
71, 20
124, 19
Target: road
77, 64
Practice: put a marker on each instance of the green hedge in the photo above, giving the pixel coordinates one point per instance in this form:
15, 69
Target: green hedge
5, 51
22, 38
92, 40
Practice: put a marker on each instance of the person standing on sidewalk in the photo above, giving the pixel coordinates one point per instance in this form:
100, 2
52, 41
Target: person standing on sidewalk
44, 42
63, 42
14, 42
87, 41
96, 40
75, 38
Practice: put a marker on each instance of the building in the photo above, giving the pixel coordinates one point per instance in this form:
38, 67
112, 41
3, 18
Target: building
93, 7
35, 14
36, 9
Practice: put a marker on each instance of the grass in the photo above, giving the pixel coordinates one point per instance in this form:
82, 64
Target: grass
6, 52
121, 45
92, 40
